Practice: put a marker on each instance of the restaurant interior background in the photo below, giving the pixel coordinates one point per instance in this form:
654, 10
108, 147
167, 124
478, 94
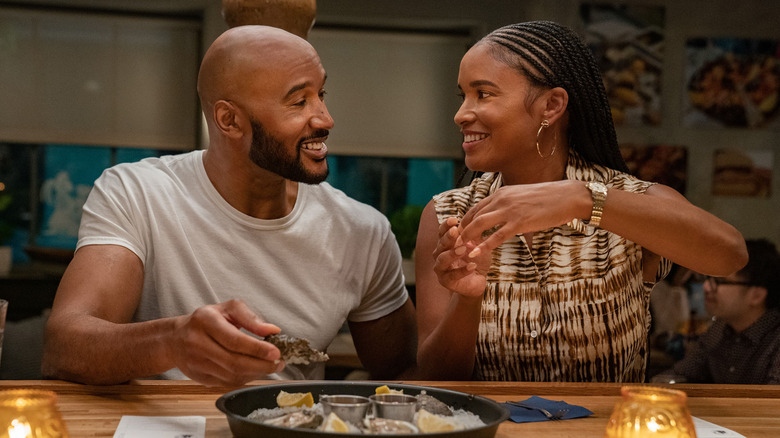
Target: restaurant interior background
85, 84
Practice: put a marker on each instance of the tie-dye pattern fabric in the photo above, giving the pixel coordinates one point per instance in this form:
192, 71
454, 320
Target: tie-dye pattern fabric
574, 307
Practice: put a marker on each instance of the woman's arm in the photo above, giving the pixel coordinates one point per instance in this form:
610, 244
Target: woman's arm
660, 220
447, 320
664, 222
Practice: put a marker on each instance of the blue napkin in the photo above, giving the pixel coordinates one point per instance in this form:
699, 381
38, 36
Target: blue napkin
525, 415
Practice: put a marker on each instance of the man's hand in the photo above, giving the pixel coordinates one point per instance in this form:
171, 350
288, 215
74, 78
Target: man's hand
208, 346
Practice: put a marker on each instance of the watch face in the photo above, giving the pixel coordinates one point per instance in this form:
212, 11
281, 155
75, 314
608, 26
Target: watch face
597, 187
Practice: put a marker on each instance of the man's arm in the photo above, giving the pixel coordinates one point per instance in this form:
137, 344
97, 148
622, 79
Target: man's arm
387, 346
89, 337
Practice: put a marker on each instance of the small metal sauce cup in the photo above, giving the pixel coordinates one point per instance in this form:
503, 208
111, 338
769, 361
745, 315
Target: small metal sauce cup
394, 406
351, 408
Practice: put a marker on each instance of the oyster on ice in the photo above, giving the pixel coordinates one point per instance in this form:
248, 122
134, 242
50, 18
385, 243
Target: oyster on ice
433, 405
302, 419
296, 350
386, 426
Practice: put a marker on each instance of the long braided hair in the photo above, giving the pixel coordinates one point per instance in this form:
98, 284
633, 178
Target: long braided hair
551, 55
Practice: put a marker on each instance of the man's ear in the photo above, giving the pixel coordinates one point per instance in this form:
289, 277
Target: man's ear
228, 119
757, 295
556, 102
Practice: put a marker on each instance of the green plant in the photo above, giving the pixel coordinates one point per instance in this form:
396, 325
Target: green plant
404, 223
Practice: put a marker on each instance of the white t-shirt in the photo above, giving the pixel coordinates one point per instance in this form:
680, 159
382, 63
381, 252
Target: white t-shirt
331, 259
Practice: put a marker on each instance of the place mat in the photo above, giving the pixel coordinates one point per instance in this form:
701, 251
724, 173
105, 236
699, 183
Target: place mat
528, 415
705, 429
135, 426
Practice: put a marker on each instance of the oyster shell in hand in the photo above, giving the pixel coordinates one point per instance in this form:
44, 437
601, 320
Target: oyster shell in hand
296, 350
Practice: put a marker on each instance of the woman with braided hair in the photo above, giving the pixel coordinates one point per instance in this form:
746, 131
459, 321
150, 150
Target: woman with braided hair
542, 267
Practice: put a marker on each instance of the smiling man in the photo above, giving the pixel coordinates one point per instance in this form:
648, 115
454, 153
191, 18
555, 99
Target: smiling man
743, 343
185, 261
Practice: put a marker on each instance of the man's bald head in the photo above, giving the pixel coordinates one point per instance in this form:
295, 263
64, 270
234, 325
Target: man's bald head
240, 54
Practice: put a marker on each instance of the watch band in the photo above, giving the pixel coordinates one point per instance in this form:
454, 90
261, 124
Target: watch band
598, 192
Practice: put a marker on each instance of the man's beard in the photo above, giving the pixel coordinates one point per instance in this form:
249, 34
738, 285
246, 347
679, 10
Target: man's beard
269, 153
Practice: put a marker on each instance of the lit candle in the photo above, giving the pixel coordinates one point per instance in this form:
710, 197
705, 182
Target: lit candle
651, 412
19, 429
30, 414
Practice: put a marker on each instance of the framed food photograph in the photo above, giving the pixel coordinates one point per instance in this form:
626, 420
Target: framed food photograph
660, 163
628, 43
746, 173
732, 83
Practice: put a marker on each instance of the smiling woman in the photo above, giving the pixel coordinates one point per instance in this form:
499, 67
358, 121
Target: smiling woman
553, 233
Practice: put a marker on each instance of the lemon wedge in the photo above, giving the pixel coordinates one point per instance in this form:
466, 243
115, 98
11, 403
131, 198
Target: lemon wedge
384, 389
430, 423
335, 424
294, 399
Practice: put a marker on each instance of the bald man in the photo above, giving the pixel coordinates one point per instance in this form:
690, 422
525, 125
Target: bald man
185, 262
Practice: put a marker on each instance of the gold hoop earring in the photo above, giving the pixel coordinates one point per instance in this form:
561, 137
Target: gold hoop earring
545, 124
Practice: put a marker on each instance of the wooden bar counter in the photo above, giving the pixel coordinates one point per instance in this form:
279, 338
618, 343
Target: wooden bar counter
95, 411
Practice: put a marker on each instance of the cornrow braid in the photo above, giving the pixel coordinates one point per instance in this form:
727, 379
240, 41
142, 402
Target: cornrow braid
551, 55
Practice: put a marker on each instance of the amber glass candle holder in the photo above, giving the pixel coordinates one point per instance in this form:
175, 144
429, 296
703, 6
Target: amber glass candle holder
28, 413
652, 412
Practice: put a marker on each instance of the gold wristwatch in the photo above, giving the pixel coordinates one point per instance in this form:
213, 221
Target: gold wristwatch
598, 191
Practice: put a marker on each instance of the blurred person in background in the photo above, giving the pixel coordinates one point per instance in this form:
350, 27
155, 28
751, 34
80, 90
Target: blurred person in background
742, 345
669, 303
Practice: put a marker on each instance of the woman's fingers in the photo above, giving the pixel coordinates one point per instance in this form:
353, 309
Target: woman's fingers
446, 224
448, 236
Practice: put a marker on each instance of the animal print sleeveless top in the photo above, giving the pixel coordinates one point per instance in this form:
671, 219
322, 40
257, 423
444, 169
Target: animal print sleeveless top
574, 307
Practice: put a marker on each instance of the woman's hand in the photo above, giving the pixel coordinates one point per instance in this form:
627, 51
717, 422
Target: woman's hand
454, 269
519, 209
